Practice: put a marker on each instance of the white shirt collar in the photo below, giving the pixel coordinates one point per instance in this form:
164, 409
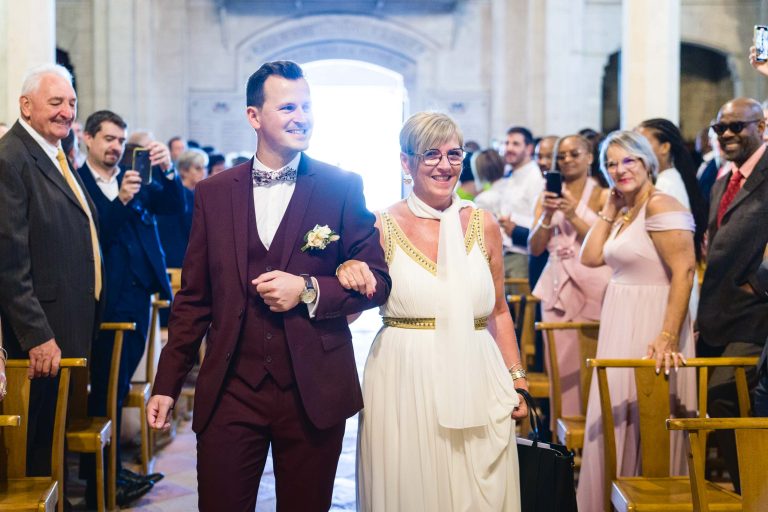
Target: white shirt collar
99, 178
293, 164
50, 149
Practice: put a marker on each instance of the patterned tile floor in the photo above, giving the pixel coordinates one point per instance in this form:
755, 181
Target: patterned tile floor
177, 491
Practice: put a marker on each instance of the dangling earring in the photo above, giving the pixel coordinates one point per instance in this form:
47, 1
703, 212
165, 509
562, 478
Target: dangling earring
407, 180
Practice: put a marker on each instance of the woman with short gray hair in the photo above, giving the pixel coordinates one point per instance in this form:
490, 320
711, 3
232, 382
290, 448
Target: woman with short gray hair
193, 167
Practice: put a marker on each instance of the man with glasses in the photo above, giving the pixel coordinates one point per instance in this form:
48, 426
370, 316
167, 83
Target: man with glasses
733, 315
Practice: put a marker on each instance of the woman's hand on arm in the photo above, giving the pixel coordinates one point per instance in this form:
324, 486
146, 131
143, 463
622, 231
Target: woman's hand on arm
675, 247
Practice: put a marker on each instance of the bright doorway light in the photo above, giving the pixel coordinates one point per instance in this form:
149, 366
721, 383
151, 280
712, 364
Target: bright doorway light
359, 109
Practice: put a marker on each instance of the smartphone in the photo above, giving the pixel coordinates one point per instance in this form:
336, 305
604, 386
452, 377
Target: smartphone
142, 165
554, 183
761, 43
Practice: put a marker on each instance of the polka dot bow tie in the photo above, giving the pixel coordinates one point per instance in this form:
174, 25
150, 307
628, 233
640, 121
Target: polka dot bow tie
265, 178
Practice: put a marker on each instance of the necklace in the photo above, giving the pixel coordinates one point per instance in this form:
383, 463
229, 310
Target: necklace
627, 213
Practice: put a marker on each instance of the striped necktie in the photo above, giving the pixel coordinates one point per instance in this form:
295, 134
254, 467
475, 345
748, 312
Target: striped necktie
70, 178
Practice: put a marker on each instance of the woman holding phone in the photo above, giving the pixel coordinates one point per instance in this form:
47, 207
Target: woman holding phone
569, 291
646, 237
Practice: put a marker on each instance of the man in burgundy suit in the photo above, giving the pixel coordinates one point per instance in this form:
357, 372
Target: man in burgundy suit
258, 279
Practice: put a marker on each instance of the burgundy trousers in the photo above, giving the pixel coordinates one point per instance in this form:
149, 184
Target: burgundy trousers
232, 451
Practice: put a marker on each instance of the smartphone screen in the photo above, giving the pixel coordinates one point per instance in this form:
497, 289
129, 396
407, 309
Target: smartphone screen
761, 43
142, 165
554, 182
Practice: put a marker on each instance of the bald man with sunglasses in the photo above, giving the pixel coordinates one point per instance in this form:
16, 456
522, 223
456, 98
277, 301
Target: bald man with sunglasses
733, 314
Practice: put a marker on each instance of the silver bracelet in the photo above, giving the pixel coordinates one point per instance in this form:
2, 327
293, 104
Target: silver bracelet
605, 218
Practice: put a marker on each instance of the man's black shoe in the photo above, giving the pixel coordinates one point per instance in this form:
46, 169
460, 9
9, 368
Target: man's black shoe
128, 492
130, 476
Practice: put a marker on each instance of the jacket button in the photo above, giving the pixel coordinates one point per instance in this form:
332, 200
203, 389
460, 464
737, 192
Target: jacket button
269, 359
240, 313
227, 356
268, 335
269, 269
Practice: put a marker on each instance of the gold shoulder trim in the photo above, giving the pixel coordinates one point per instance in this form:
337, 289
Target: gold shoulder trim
475, 233
409, 249
386, 226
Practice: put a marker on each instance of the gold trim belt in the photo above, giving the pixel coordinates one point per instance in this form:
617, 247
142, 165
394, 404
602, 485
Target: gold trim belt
426, 323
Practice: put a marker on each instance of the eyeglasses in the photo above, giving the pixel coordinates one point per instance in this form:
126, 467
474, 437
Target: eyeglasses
432, 157
734, 127
629, 163
573, 154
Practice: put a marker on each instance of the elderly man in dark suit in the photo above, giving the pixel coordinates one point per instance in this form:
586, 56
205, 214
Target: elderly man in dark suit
733, 315
258, 278
134, 263
50, 261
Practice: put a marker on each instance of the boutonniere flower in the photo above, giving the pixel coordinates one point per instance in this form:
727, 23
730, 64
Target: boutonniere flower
318, 238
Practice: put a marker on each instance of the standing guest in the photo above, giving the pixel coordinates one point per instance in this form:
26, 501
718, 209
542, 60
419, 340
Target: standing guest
50, 260
489, 169
569, 291
134, 267
733, 316
259, 280
192, 166
177, 146
438, 430
544, 154
646, 237
523, 187
677, 178
216, 164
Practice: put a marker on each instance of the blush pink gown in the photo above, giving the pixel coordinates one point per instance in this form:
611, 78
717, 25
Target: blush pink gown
570, 292
632, 316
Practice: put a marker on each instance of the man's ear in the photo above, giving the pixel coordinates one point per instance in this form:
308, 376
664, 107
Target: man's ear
254, 117
25, 105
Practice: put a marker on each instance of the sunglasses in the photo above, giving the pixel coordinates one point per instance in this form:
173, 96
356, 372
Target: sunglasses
734, 127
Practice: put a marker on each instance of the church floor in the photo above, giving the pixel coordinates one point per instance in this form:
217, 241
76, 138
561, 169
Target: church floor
177, 492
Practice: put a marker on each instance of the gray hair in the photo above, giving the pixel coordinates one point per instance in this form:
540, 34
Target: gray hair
192, 157
35, 75
634, 144
427, 130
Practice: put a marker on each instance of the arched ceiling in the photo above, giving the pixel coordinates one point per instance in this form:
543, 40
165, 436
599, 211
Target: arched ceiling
369, 7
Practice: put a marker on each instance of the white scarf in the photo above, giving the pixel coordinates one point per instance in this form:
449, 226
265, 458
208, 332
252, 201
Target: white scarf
461, 391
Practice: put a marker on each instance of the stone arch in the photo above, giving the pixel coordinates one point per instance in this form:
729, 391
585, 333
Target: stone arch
352, 37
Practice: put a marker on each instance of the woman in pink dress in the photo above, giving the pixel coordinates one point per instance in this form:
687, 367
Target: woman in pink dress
646, 237
569, 291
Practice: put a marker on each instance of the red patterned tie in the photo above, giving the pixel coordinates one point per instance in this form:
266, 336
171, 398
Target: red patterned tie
734, 185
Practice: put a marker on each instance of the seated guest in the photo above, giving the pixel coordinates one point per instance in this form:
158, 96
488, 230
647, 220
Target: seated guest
569, 291
134, 264
544, 153
467, 188
216, 163
488, 166
646, 237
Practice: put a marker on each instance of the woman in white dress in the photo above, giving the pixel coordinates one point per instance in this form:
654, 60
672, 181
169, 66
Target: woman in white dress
438, 430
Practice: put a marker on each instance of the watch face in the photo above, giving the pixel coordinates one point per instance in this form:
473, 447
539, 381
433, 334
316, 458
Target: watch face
308, 296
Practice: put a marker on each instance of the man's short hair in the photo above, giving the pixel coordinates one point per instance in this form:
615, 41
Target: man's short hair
174, 139
525, 132
254, 92
35, 75
94, 121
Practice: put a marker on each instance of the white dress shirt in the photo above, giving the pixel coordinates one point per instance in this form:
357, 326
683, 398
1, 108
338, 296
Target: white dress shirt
270, 203
50, 150
670, 182
519, 194
109, 187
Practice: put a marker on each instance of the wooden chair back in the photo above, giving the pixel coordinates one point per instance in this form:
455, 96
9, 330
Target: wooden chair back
525, 321
13, 442
517, 286
752, 452
174, 275
587, 334
653, 401
153, 337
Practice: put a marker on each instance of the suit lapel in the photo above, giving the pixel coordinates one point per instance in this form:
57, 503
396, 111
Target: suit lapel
241, 185
297, 208
45, 165
754, 181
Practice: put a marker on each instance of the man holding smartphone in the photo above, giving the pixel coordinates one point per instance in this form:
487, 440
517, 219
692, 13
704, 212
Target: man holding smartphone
134, 263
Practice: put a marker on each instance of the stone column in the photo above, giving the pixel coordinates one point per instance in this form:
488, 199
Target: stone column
650, 61
27, 38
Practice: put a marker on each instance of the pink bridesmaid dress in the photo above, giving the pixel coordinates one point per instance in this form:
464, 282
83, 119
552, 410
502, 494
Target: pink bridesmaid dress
570, 292
632, 316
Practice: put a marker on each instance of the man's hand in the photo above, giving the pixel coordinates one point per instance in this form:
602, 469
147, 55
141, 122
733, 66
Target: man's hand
158, 412
279, 290
761, 67
129, 187
159, 155
507, 224
44, 360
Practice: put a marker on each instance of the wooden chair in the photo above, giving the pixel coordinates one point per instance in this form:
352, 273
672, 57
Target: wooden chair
570, 429
656, 490
87, 434
752, 452
139, 393
517, 286
17, 491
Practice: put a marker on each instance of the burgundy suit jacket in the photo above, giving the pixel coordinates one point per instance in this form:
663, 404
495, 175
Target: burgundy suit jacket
214, 285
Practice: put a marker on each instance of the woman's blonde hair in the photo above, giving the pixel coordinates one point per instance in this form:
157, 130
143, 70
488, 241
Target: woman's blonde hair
428, 130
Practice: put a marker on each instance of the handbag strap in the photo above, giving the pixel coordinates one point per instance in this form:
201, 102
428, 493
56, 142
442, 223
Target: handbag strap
533, 415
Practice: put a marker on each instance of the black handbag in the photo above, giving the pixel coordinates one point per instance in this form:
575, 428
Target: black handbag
546, 470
